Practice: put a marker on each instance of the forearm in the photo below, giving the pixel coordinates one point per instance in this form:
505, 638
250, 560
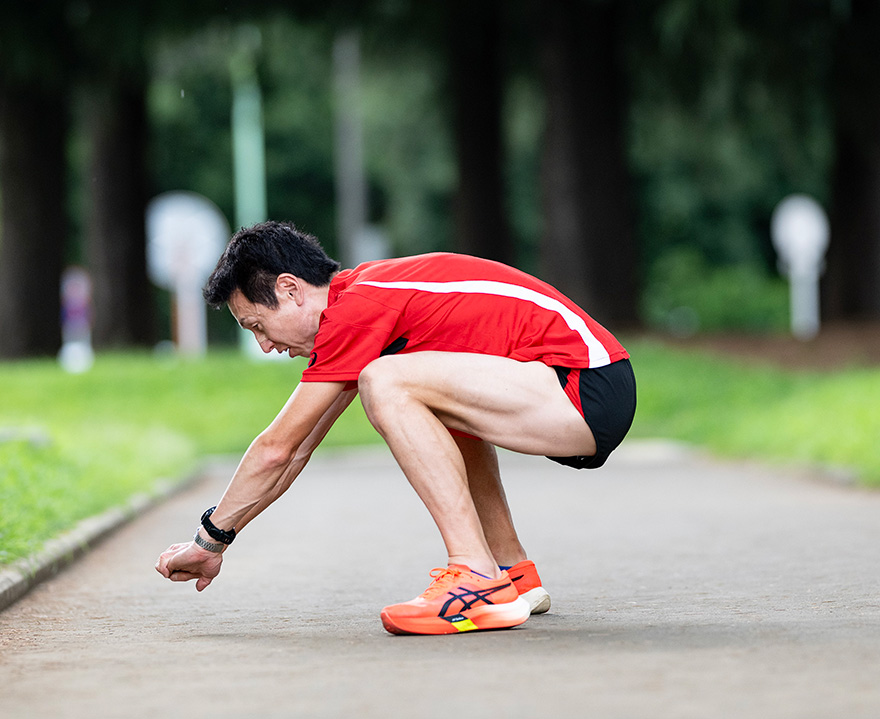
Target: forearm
261, 477
257, 482
287, 477
269, 467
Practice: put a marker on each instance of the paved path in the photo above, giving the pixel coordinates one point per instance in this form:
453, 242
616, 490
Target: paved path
681, 588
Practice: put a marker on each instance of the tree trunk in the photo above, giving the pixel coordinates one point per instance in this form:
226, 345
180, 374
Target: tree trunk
852, 283
33, 128
588, 247
116, 242
476, 78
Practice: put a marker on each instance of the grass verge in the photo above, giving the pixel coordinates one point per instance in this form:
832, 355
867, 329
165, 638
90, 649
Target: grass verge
78, 444
738, 408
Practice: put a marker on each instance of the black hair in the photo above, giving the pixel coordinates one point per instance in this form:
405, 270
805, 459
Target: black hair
256, 255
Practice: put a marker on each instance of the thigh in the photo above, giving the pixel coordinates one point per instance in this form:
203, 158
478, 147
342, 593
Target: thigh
516, 405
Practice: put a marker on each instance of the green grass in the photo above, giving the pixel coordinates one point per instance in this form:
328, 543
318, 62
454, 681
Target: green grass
118, 429
738, 408
135, 419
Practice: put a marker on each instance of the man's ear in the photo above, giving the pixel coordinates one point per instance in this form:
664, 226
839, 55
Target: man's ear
289, 286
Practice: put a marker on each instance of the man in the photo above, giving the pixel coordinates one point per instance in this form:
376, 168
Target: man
452, 356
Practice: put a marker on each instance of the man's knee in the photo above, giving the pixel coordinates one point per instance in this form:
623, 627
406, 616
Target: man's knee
378, 385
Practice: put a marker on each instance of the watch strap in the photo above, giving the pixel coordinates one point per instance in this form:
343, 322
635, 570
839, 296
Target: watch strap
221, 535
215, 547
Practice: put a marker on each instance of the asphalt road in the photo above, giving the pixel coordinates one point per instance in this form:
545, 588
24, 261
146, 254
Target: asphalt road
682, 587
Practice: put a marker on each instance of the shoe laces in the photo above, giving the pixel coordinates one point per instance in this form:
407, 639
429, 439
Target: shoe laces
444, 577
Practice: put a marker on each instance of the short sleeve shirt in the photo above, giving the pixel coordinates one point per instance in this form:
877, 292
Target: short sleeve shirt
451, 303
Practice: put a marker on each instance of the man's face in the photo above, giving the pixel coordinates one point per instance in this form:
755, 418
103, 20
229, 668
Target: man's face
290, 327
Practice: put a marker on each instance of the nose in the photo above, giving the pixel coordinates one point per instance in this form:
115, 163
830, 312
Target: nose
265, 343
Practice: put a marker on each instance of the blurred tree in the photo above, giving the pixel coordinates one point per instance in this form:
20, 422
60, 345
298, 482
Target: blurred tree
477, 81
111, 41
718, 118
852, 285
588, 248
298, 104
483, 46
190, 101
409, 149
433, 84
34, 63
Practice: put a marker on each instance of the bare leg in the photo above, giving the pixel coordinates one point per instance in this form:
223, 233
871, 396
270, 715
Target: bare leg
412, 398
432, 463
487, 491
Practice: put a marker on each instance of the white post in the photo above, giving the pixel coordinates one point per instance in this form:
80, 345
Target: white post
351, 186
805, 318
800, 235
186, 234
191, 329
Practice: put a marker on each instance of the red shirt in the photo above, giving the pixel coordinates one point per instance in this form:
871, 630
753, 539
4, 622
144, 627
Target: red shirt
451, 303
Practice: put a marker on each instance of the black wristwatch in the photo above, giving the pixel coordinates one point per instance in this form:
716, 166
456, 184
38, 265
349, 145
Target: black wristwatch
221, 535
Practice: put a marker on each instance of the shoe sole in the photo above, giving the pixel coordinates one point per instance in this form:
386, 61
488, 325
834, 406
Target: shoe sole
490, 616
538, 599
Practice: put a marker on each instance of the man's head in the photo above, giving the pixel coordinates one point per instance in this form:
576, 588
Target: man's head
256, 256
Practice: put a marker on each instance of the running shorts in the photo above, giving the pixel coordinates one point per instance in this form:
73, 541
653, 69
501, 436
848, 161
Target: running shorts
606, 398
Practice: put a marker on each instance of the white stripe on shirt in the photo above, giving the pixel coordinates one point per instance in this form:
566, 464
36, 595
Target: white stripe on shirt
598, 354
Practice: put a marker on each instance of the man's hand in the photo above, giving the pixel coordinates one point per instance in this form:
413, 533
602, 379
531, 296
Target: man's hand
182, 562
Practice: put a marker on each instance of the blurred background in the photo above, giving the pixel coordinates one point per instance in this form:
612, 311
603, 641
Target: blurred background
630, 152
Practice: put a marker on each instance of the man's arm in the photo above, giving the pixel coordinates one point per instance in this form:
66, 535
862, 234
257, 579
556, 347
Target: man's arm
273, 460
279, 453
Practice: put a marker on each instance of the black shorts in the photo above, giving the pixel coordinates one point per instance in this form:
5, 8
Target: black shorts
606, 397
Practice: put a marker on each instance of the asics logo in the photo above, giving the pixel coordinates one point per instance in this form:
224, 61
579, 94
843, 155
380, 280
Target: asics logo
468, 598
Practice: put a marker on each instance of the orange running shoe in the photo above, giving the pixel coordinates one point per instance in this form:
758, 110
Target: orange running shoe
527, 582
458, 600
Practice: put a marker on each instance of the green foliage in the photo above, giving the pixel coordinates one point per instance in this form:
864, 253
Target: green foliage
189, 98
408, 148
296, 72
726, 120
730, 109
407, 145
685, 295
190, 103
524, 118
